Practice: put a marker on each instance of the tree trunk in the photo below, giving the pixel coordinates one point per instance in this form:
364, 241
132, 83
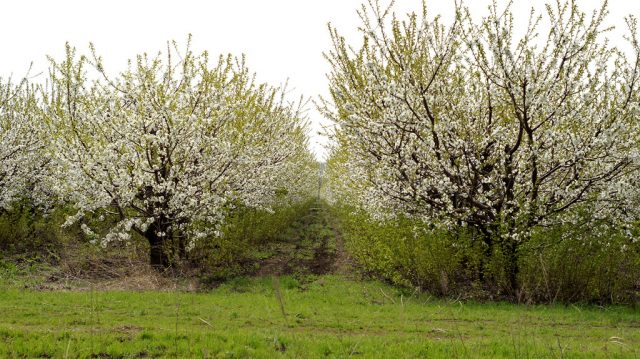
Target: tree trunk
157, 256
510, 253
182, 248
486, 236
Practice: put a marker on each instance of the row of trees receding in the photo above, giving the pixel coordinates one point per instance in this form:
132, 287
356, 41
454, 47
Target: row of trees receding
468, 126
458, 148
163, 150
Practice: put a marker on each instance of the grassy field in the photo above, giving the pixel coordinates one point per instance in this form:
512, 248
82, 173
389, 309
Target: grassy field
304, 301
319, 316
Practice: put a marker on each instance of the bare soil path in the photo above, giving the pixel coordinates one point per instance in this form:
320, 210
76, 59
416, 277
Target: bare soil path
316, 248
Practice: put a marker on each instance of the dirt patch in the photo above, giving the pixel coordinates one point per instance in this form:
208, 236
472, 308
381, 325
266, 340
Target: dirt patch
277, 265
114, 272
316, 248
323, 259
343, 263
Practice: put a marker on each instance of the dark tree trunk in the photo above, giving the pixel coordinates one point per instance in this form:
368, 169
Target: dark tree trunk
510, 253
180, 244
158, 257
487, 239
182, 248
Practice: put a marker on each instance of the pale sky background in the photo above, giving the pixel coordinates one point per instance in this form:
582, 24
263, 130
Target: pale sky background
282, 39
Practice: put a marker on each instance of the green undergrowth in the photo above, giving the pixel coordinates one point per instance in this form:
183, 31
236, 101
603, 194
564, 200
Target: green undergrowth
249, 236
312, 316
559, 264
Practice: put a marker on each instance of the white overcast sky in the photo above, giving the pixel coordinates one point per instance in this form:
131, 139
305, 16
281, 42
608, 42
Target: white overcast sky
282, 39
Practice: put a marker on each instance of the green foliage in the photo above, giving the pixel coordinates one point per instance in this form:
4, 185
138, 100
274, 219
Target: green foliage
570, 263
32, 241
558, 264
234, 251
26, 229
408, 253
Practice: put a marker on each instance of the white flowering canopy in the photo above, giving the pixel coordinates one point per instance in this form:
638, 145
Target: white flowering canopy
170, 143
464, 124
20, 159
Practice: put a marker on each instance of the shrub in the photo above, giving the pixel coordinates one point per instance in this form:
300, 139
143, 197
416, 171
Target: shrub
559, 264
232, 252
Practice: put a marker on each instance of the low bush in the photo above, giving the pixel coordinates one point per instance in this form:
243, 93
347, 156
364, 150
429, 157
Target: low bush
29, 235
234, 251
559, 264
569, 264
25, 229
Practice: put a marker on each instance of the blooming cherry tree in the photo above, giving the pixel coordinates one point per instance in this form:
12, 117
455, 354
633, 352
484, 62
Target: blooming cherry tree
467, 125
167, 145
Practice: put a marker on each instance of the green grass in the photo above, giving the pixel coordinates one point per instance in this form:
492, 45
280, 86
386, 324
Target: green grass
301, 316
326, 316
